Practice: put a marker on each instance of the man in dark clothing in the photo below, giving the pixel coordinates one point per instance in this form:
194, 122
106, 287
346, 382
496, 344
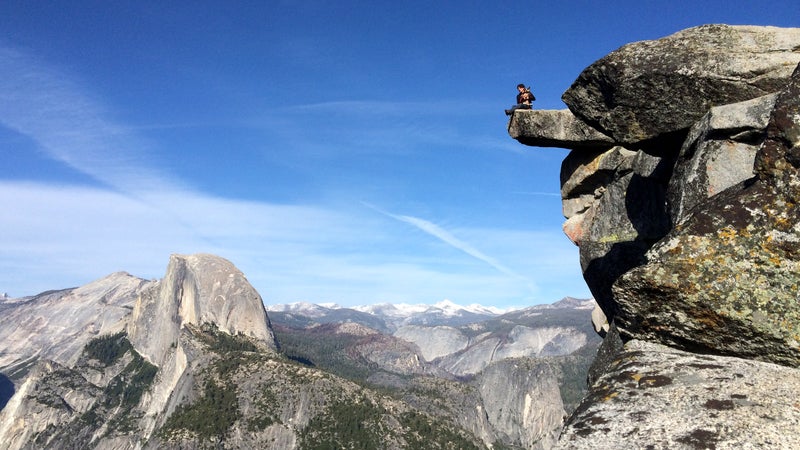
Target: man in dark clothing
525, 99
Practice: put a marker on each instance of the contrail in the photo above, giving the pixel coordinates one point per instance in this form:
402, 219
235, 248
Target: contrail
446, 237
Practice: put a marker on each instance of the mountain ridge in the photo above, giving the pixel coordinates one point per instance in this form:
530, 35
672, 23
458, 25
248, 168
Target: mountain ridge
393, 316
194, 360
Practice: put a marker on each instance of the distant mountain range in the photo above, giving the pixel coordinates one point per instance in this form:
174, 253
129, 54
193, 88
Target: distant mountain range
195, 360
388, 317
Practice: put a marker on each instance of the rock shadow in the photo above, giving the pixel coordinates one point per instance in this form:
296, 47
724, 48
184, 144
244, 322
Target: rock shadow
6, 390
648, 214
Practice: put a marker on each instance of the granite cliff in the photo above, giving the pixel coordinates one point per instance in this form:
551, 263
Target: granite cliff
194, 361
119, 354
681, 191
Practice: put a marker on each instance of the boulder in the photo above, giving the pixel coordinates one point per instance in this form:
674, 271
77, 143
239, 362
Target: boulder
554, 128
726, 280
718, 153
660, 87
658, 397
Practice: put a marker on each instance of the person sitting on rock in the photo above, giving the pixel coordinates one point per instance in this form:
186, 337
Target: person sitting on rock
525, 99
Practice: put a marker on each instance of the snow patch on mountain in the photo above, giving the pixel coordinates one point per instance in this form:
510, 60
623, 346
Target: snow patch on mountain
445, 308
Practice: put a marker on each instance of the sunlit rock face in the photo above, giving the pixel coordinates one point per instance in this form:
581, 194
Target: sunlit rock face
65, 395
197, 289
649, 89
689, 234
56, 325
718, 153
521, 399
659, 397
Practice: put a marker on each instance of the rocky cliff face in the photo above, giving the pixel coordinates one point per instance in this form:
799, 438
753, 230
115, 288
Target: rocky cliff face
687, 223
120, 350
191, 361
509, 379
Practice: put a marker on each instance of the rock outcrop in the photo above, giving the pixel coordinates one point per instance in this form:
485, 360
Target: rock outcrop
658, 397
689, 235
197, 289
649, 89
558, 128
727, 279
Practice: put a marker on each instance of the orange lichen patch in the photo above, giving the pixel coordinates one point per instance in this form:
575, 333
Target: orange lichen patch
654, 381
783, 223
728, 235
610, 396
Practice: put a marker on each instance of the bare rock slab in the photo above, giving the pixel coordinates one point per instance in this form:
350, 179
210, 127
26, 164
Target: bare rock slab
554, 128
657, 397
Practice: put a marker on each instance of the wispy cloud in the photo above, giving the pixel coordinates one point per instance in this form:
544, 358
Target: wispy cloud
54, 235
451, 240
46, 105
62, 236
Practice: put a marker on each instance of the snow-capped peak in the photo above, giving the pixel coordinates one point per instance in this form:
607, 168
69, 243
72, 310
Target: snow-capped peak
448, 306
304, 308
444, 307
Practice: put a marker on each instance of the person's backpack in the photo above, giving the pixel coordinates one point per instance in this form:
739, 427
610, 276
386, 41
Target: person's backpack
528, 96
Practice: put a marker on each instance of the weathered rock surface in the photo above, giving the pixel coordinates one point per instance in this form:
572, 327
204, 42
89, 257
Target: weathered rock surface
57, 325
652, 88
555, 128
197, 289
727, 279
661, 398
718, 153
689, 236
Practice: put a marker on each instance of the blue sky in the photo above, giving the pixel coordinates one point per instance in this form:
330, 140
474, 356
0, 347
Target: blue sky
348, 152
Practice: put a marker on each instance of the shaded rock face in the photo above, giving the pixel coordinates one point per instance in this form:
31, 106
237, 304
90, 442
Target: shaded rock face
652, 88
727, 279
615, 204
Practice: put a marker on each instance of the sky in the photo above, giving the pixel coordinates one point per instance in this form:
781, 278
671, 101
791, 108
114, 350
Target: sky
349, 152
